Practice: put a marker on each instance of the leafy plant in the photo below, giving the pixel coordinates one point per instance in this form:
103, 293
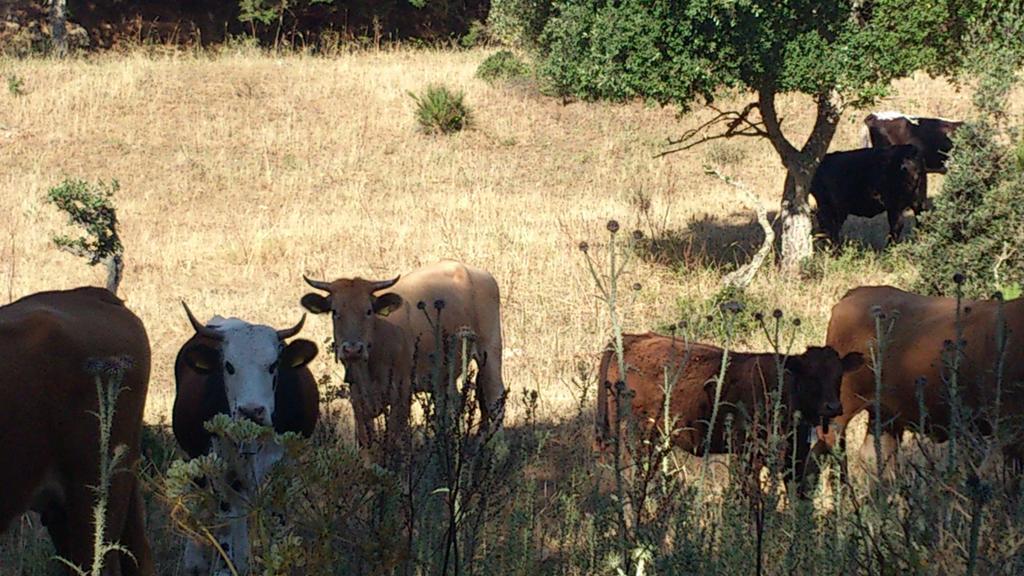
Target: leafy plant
439, 110
92, 208
519, 23
502, 65
15, 85
977, 224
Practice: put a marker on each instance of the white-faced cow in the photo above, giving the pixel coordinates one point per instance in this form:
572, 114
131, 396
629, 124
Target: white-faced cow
247, 371
385, 340
49, 434
867, 182
929, 135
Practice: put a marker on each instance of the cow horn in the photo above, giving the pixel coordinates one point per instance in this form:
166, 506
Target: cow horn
289, 332
318, 284
385, 284
200, 328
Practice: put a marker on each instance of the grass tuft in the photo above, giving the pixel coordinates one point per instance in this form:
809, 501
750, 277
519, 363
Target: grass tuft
439, 110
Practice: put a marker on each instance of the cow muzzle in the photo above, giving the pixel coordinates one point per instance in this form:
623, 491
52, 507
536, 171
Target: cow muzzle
353, 351
255, 413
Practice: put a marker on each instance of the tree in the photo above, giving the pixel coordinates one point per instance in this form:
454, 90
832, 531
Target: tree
977, 225
842, 53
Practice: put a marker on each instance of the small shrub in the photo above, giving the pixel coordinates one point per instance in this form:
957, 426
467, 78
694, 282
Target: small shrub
705, 319
502, 65
15, 85
477, 35
92, 208
439, 110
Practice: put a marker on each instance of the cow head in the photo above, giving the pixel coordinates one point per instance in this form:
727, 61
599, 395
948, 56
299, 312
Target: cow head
815, 379
908, 162
249, 358
355, 305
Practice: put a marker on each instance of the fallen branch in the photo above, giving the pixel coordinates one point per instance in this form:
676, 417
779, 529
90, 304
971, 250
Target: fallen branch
744, 275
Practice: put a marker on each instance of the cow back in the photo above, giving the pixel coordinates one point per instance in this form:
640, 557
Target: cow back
916, 349
47, 397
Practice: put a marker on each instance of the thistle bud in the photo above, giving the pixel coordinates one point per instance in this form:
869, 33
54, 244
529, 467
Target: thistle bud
613, 226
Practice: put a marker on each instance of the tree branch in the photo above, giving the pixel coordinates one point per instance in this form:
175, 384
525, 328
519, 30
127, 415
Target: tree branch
744, 275
772, 124
737, 124
825, 124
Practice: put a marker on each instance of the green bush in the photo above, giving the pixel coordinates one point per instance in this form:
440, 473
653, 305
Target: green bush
476, 35
724, 317
519, 23
439, 110
977, 225
502, 65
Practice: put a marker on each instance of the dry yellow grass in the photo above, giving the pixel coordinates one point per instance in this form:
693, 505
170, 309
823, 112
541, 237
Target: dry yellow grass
241, 172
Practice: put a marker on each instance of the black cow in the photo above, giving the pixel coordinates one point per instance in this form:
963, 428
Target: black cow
867, 182
929, 135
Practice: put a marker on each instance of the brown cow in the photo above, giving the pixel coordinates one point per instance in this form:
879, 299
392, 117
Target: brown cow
385, 341
811, 386
246, 371
921, 329
49, 435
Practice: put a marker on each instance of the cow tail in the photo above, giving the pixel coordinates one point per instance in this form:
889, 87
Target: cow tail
602, 423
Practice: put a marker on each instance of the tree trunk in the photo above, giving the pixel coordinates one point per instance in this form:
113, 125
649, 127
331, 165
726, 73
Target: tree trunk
58, 27
797, 240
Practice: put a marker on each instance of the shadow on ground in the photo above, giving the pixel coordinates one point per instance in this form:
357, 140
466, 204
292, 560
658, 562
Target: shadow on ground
728, 242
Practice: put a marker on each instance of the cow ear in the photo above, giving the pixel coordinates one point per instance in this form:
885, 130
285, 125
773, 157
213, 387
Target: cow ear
202, 358
316, 303
386, 303
852, 361
298, 353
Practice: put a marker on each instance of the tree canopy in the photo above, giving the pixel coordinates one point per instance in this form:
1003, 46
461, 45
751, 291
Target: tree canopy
842, 53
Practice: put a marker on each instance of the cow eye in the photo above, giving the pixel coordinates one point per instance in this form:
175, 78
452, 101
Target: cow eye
273, 367
229, 367
369, 311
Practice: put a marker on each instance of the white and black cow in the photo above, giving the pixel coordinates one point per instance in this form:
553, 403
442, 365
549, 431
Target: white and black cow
930, 135
247, 371
867, 182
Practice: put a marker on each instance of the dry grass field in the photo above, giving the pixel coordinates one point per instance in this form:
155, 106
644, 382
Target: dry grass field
241, 172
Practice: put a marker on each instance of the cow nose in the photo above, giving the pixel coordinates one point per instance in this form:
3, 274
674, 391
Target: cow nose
253, 412
353, 350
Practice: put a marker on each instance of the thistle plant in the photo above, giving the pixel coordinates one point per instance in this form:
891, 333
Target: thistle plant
107, 374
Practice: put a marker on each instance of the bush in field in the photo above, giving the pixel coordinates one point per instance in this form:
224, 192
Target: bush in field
518, 23
91, 208
977, 225
502, 65
705, 319
439, 110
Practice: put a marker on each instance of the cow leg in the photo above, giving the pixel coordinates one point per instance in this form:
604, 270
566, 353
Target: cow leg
830, 221
490, 390
895, 224
134, 538
890, 442
72, 532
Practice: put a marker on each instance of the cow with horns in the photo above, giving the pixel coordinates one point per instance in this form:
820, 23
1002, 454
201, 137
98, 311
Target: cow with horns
250, 372
385, 335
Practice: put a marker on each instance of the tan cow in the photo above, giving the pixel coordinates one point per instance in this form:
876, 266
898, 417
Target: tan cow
49, 435
922, 327
385, 339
